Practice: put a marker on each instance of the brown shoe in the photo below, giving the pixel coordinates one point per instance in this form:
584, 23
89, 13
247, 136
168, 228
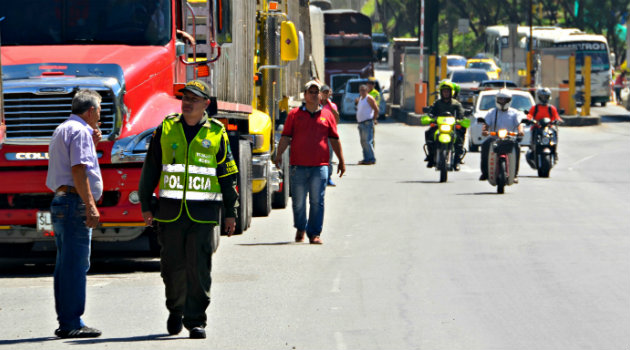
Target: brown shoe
299, 236
316, 240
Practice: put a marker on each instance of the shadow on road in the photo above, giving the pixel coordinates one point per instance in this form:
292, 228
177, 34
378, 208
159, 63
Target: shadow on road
150, 337
267, 243
45, 266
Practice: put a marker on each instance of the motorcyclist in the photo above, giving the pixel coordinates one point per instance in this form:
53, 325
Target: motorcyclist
500, 117
446, 103
542, 110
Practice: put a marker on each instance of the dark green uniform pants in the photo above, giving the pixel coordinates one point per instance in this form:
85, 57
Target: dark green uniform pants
186, 261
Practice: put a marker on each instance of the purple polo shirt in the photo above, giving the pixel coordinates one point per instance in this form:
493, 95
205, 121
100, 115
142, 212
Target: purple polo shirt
71, 145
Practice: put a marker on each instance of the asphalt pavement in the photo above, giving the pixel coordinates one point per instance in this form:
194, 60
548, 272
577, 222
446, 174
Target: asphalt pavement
407, 263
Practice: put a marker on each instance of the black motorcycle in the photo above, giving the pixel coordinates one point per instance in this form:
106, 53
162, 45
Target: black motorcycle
542, 151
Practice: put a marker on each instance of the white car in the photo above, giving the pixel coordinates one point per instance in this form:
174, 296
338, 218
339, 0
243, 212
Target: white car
521, 100
350, 92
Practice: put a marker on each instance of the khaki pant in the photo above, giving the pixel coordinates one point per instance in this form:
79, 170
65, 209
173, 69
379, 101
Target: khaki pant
186, 262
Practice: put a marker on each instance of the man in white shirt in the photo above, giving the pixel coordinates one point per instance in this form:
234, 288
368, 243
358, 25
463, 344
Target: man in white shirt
501, 117
367, 113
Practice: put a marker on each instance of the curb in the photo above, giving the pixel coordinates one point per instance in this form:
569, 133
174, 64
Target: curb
578, 120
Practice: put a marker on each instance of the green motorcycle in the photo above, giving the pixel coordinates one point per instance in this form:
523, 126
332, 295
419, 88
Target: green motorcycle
444, 138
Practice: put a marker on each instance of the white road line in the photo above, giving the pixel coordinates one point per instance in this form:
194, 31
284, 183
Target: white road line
336, 282
341, 345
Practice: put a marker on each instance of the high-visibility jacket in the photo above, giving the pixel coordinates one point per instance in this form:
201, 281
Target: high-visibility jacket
377, 97
188, 180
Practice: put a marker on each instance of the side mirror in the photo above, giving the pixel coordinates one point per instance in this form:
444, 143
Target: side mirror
385, 91
526, 121
481, 120
289, 49
561, 111
223, 21
180, 48
425, 120
426, 109
341, 92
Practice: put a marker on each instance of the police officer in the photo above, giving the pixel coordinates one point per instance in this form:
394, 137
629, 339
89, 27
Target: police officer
189, 158
446, 103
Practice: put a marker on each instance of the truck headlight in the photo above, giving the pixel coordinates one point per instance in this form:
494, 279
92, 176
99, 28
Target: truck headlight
133, 148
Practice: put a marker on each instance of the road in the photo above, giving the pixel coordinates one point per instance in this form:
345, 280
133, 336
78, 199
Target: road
407, 263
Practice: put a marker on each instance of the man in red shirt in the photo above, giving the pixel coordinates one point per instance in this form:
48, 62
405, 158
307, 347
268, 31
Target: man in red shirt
327, 104
544, 110
307, 130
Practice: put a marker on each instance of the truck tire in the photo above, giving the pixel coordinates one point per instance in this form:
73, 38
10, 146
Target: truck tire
262, 199
281, 198
244, 211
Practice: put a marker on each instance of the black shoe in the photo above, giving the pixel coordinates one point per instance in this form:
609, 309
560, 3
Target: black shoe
430, 164
456, 167
483, 177
83, 332
426, 159
174, 324
197, 333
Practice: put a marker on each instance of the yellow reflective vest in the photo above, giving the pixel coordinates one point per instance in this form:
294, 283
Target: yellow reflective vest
188, 180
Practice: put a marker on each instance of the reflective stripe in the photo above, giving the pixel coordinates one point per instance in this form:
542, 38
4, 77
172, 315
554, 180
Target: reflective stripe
201, 170
173, 168
171, 194
192, 196
203, 196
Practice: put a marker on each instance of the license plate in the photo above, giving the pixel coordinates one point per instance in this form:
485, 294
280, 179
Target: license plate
44, 221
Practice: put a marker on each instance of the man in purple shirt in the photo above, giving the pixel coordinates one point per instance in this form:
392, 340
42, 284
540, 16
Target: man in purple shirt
75, 177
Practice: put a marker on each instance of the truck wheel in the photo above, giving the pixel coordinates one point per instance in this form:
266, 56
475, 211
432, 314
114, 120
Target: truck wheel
281, 198
244, 179
262, 199
15, 250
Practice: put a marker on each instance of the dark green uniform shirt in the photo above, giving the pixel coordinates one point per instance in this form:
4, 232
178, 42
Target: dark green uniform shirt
152, 169
439, 107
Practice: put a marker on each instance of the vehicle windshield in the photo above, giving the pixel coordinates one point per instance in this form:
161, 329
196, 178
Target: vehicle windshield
480, 65
456, 62
354, 86
599, 60
518, 102
468, 77
71, 22
379, 38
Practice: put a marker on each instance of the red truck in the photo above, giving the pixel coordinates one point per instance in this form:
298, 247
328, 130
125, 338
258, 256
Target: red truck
348, 45
136, 55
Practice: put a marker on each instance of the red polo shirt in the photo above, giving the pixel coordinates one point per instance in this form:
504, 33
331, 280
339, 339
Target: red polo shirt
309, 134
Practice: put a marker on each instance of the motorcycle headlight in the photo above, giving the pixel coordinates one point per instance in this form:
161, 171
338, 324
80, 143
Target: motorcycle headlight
546, 140
502, 133
446, 128
133, 148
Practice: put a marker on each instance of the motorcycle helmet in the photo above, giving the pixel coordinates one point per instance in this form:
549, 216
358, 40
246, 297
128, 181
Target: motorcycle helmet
543, 95
448, 85
503, 99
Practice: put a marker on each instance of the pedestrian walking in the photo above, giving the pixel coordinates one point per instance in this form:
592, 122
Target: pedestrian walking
367, 115
308, 130
329, 105
190, 160
75, 177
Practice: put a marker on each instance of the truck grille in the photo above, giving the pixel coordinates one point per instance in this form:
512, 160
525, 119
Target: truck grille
30, 116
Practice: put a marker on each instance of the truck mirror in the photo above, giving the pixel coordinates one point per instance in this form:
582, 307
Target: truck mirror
223, 21
289, 49
180, 48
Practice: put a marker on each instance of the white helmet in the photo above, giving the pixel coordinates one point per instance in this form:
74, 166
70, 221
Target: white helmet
503, 99
543, 95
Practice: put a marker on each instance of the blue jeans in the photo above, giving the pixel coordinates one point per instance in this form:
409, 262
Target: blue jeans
309, 180
73, 259
366, 133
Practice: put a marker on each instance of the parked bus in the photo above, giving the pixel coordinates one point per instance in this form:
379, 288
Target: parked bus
596, 46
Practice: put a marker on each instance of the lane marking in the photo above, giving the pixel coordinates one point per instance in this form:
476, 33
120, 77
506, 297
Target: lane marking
341, 345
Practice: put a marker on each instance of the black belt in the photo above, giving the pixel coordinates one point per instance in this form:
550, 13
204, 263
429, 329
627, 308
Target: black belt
65, 189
